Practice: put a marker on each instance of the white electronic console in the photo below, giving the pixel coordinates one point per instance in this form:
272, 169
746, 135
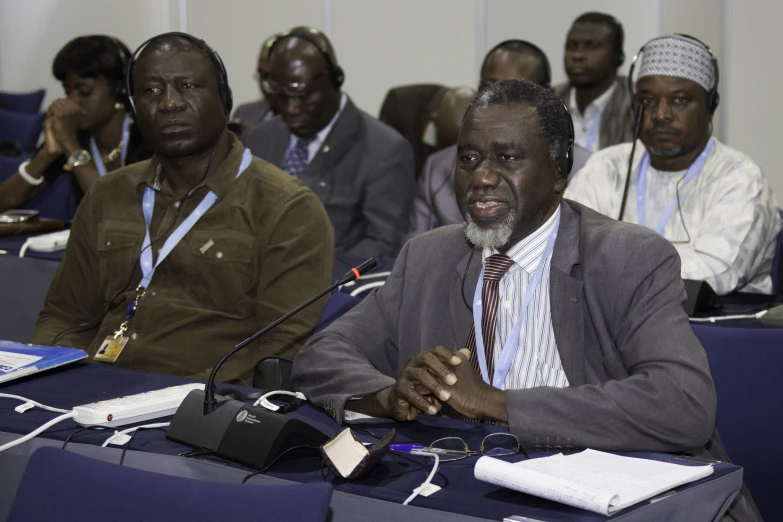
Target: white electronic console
51, 242
134, 408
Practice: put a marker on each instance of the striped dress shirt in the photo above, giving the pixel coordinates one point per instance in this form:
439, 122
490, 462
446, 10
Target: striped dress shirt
537, 361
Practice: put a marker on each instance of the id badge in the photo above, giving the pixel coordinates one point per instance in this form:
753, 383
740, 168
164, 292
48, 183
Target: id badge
110, 349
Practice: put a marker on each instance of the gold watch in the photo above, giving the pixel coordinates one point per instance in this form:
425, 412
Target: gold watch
77, 159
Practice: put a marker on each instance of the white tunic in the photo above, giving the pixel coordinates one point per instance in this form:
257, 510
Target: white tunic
727, 229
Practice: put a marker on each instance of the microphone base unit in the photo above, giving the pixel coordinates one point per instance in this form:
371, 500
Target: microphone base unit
238, 431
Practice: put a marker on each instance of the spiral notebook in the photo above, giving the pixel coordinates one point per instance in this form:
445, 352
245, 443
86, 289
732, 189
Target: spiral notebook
18, 359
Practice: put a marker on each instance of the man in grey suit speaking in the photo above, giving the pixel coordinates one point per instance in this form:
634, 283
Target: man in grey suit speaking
360, 169
538, 312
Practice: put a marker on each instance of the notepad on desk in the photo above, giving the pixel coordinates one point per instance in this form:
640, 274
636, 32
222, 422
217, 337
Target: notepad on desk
592, 480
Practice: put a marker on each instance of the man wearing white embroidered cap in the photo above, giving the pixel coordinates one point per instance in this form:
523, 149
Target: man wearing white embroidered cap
711, 201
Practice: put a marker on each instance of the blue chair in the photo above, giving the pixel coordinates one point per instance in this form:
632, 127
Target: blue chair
29, 102
22, 128
58, 201
59, 485
8, 166
744, 364
777, 263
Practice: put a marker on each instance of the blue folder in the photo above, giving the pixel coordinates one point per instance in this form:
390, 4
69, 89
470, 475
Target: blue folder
18, 360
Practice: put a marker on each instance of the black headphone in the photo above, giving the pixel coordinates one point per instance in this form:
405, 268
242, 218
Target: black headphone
336, 72
567, 147
713, 97
223, 89
524, 43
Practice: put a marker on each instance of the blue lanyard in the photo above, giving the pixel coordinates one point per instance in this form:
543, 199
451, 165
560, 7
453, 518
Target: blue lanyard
512, 343
147, 206
641, 187
96, 154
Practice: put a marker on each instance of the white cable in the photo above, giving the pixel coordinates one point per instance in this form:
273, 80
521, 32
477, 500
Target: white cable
25, 246
429, 477
32, 434
274, 407
38, 404
758, 315
131, 430
368, 286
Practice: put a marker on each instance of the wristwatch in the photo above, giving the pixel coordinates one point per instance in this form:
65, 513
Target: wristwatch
77, 159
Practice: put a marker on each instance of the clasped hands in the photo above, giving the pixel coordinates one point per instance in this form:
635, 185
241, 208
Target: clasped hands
440, 376
61, 127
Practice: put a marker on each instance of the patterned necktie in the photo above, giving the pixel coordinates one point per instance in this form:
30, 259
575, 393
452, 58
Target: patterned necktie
495, 267
296, 160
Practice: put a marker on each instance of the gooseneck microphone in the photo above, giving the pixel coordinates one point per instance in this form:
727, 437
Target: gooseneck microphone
354, 273
637, 128
250, 435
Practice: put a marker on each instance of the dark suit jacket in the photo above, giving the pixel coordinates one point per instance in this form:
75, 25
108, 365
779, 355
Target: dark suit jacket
638, 378
407, 109
435, 204
363, 174
252, 113
617, 120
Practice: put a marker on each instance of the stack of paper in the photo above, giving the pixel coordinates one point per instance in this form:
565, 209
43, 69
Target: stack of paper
593, 480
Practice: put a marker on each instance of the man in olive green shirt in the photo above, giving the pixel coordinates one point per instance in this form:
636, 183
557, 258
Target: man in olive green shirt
264, 246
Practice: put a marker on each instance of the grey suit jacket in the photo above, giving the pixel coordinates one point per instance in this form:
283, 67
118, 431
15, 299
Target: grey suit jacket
252, 113
363, 174
638, 378
436, 204
617, 120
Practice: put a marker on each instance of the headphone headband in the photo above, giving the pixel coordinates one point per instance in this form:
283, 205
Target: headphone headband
336, 72
567, 147
223, 88
533, 47
713, 97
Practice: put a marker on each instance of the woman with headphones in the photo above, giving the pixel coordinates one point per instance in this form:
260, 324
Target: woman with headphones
89, 132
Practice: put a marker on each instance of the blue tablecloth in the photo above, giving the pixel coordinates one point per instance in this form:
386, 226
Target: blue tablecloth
392, 480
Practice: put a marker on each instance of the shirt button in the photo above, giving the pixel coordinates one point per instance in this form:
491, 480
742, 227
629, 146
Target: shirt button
108, 243
134, 336
321, 183
176, 204
153, 293
219, 255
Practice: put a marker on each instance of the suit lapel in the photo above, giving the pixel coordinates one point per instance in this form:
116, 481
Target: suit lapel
565, 296
337, 143
461, 296
275, 143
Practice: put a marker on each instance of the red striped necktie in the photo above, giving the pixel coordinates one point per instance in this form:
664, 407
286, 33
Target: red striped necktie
495, 267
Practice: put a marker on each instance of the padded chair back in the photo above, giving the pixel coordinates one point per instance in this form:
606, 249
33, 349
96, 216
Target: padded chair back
24, 283
273, 373
22, 128
744, 364
8, 166
58, 201
777, 263
59, 485
28, 102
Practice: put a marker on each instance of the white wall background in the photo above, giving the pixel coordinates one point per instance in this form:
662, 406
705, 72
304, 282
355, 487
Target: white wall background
381, 43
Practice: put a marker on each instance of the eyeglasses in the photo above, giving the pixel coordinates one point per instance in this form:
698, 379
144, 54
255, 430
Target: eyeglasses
291, 90
454, 448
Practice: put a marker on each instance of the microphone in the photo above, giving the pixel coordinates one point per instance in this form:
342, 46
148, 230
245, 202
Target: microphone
637, 128
248, 434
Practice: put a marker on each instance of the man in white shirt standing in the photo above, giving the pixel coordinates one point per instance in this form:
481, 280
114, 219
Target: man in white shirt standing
595, 95
711, 201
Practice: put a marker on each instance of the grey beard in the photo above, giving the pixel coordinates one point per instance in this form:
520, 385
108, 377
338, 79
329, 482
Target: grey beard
665, 153
491, 238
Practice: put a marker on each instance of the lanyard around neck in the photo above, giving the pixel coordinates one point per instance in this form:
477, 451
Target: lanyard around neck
512, 342
641, 187
148, 205
96, 154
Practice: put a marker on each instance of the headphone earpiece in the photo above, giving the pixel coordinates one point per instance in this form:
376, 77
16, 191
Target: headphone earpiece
619, 59
567, 147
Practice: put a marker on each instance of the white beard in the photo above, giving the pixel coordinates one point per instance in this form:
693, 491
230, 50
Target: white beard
490, 238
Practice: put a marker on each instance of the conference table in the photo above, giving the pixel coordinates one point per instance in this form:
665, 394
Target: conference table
376, 496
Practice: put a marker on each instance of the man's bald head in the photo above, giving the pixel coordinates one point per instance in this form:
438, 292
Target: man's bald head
515, 60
